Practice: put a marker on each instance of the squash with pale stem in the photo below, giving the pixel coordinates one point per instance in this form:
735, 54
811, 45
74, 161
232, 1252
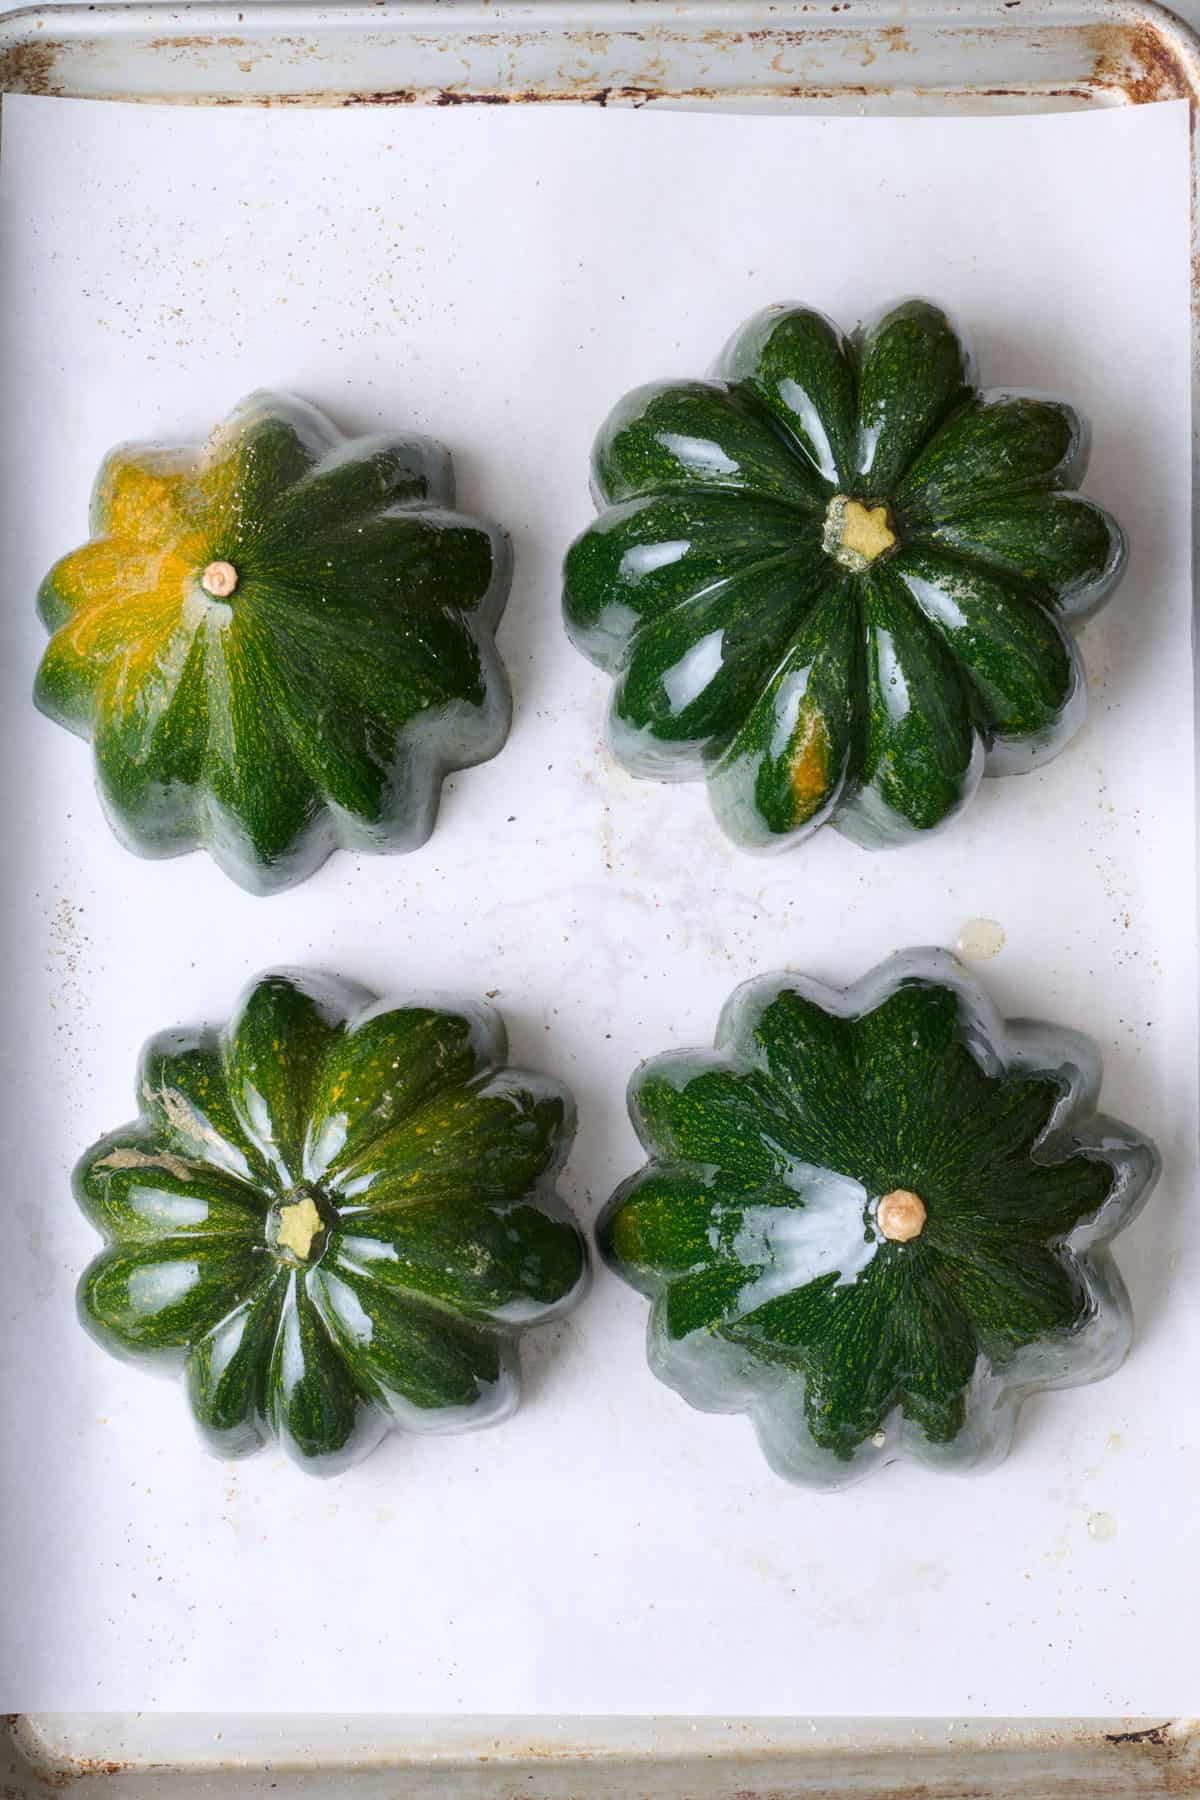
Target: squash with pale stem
837, 581
334, 1216
278, 644
876, 1219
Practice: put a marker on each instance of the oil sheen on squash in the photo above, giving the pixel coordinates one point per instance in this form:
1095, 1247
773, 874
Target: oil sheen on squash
876, 1219
837, 580
335, 1215
278, 644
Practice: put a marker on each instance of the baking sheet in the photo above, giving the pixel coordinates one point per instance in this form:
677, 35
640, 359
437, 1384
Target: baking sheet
498, 277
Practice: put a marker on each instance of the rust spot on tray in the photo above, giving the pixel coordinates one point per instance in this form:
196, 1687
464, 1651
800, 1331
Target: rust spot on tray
1139, 63
71, 1770
1171, 1753
573, 96
29, 68
1084, 95
464, 97
626, 95
897, 40
394, 97
197, 43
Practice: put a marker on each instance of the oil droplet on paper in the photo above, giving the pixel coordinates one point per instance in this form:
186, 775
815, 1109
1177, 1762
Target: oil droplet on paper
1102, 1526
981, 939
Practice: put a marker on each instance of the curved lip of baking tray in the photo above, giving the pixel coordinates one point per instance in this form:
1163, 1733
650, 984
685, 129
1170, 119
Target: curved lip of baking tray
871, 55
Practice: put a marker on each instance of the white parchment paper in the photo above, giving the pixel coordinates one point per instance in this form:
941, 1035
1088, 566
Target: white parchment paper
500, 277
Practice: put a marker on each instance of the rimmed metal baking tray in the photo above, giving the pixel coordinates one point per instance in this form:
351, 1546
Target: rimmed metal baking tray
839, 56
185, 1755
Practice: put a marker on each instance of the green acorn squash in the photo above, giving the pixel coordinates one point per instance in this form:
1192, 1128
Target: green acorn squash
838, 579
278, 644
335, 1216
876, 1219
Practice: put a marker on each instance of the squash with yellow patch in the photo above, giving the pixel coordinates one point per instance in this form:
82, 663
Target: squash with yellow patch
838, 580
279, 643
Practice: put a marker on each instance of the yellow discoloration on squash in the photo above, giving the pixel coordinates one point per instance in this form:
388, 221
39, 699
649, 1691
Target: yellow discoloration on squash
104, 570
148, 497
145, 609
809, 770
129, 592
134, 627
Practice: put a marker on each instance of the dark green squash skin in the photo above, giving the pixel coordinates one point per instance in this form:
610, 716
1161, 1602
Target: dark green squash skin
322, 704
429, 1166
755, 1226
802, 691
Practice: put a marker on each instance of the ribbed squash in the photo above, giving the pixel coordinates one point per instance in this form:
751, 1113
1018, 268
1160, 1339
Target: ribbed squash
876, 1219
837, 581
334, 1216
278, 644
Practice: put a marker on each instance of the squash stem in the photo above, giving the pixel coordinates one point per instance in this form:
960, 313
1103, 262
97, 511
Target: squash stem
856, 533
901, 1215
298, 1226
219, 579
